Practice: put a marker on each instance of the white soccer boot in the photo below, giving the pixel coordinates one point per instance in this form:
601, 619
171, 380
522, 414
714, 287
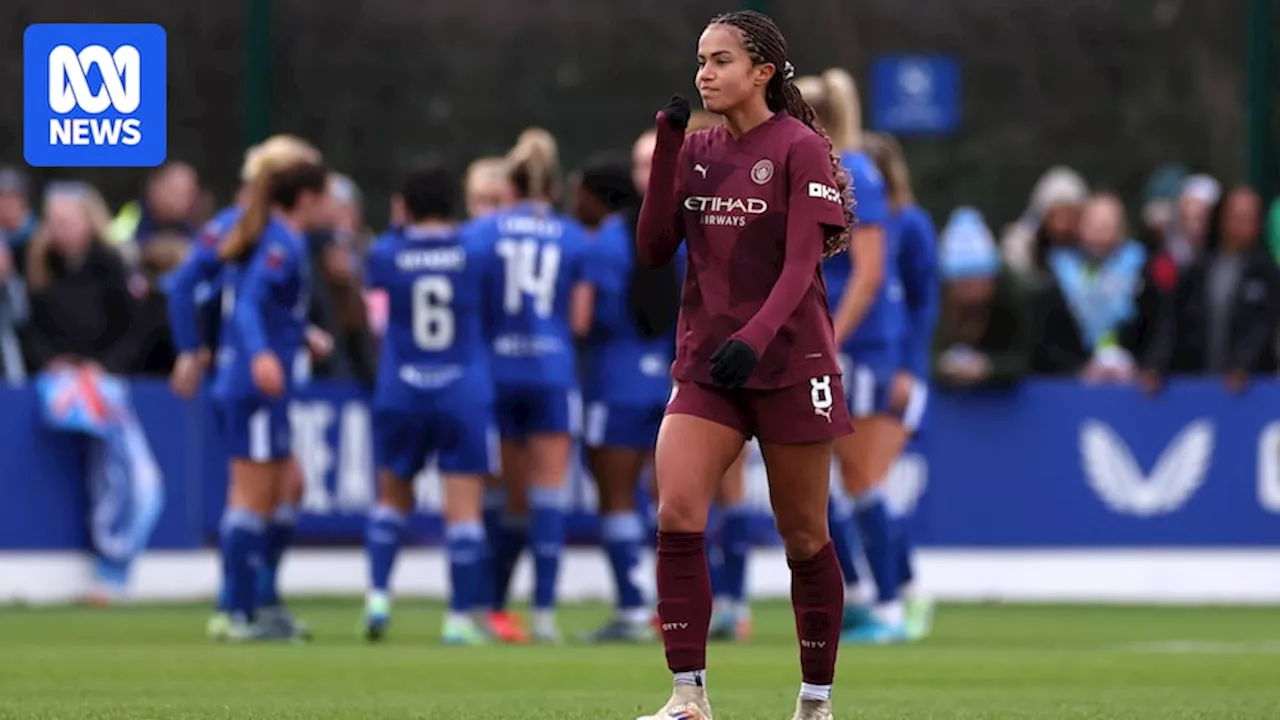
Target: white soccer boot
688, 702
813, 710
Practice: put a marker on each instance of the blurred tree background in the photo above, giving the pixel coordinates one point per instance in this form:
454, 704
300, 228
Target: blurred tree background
1113, 88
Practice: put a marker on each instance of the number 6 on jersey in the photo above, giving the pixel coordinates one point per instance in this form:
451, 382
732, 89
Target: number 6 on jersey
433, 322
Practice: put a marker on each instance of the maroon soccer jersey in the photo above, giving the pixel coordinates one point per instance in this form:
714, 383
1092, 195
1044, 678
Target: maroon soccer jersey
737, 199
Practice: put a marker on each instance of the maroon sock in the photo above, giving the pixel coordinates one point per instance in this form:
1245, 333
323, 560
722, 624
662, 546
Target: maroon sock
684, 599
817, 596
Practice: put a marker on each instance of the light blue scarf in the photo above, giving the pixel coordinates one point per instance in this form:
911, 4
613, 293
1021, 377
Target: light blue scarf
1101, 298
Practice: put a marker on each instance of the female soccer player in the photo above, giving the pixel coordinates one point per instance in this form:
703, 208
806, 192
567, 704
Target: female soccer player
488, 186
545, 299
626, 384
866, 307
267, 297
434, 394
914, 237
194, 291
761, 200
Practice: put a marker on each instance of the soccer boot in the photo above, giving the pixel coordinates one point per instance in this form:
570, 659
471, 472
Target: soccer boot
240, 631
812, 710
875, 632
919, 617
279, 622
855, 616
377, 616
730, 627
621, 630
545, 631
218, 626
506, 628
463, 631
688, 702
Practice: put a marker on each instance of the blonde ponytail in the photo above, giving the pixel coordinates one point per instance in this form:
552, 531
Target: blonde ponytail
846, 110
534, 165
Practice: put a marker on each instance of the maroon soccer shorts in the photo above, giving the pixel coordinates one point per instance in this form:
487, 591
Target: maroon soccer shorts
809, 412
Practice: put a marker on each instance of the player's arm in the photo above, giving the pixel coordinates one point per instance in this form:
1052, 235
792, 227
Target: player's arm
269, 267
582, 303
661, 226
813, 210
866, 248
918, 267
181, 289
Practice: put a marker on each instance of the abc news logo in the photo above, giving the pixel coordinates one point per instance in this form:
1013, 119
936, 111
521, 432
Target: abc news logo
95, 95
69, 91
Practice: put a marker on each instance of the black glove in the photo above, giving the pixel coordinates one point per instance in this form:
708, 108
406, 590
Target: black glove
732, 364
676, 112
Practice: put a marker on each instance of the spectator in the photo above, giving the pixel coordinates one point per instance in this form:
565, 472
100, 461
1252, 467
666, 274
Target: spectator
160, 256
1049, 222
17, 222
168, 206
1222, 317
1090, 320
13, 314
1159, 205
81, 308
1186, 237
337, 302
984, 331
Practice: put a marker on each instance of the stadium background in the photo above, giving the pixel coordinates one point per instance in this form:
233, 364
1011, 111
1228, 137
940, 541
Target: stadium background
1115, 89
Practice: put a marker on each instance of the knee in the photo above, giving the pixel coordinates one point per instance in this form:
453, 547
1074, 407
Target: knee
803, 537
680, 513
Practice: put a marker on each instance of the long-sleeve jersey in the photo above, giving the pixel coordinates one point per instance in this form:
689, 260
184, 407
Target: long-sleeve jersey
194, 289
917, 269
622, 368
265, 299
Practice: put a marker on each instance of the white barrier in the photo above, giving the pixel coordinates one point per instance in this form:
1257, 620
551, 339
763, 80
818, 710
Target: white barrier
1103, 576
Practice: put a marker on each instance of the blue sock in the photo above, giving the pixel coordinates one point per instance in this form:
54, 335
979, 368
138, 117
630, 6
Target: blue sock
877, 540
225, 601
715, 552
242, 540
383, 538
495, 499
906, 551
466, 545
513, 536
621, 534
546, 535
735, 543
840, 522
279, 535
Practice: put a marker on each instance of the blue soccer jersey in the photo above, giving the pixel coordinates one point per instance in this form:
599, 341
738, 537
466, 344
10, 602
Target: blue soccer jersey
543, 257
434, 392
265, 301
627, 377
196, 285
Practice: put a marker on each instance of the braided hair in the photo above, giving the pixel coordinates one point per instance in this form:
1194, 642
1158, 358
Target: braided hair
764, 43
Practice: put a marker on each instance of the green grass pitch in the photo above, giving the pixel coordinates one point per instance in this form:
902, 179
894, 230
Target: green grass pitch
983, 662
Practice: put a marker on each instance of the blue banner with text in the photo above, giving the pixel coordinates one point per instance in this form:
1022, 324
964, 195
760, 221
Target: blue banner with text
1048, 465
